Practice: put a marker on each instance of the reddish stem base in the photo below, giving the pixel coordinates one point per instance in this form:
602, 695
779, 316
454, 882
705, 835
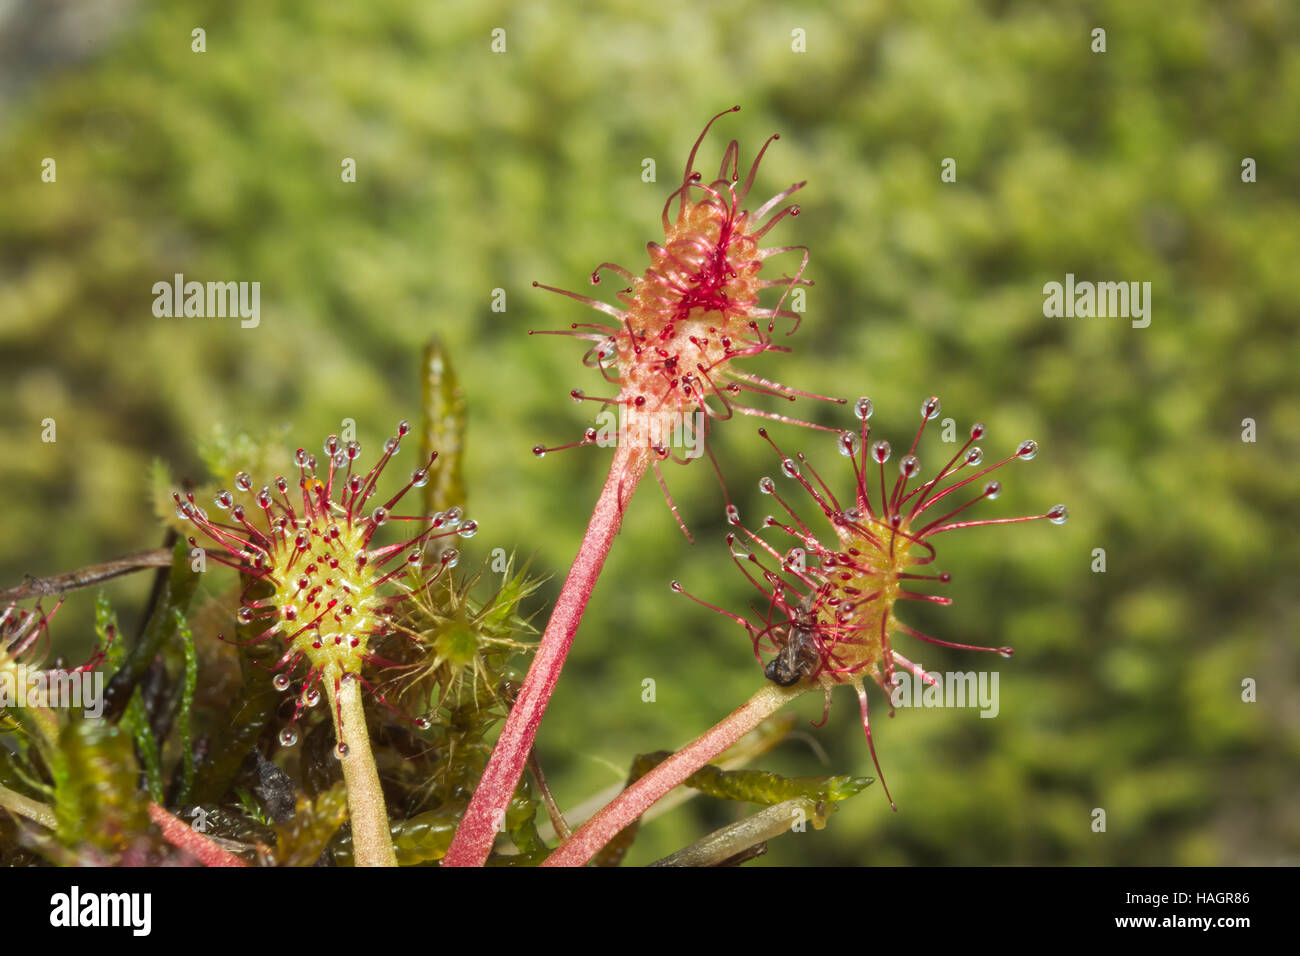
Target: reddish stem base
636, 799
482, 821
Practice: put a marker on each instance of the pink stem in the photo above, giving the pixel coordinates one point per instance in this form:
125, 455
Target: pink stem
636, 799
479, 827
179, 834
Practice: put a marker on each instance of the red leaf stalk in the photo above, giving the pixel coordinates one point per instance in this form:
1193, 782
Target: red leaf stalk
482, 820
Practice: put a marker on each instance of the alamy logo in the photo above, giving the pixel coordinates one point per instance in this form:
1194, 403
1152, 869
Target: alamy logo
211, 300
678, 430
133, 910
23, 686
1125, 300
953, 689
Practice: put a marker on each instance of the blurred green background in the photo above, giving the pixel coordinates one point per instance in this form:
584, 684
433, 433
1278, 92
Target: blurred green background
479, 170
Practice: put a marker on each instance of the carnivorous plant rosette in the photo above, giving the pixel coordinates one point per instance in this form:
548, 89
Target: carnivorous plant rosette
830, 600
671, 350
323, 587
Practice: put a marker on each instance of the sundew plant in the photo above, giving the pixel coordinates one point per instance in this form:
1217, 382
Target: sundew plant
551, 437
337, 599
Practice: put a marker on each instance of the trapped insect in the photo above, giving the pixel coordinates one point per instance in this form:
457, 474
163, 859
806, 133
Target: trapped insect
799, 656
